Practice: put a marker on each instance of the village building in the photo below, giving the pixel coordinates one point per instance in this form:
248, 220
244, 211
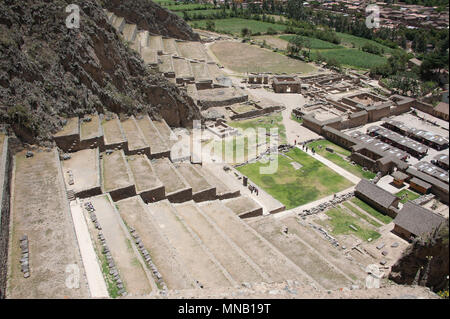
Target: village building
414, 221
377, 197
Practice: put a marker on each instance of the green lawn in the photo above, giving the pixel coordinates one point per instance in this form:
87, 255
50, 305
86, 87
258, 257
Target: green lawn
266, 122
372, 211
298, 120
315, 43
410, 195
337, 159
340, 222
362, 215
227, 147
297, 187
235, 25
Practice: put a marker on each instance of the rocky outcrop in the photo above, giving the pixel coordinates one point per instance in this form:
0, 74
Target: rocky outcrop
425, 263
49, 72
150, 16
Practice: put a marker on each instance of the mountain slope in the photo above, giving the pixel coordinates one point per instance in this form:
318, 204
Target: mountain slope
48, 72
152, 17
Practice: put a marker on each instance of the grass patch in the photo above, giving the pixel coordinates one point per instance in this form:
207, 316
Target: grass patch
409, 195
113, 290
337, 158
296, 187
228, 146
362, 215
372, 211
266, 122
340, 221
296, 119
315, 43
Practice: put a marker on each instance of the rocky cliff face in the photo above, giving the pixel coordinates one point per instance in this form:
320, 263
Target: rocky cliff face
152, 17
417, 268
48, 72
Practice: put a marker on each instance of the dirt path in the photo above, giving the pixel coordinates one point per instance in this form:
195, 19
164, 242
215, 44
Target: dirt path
96, 282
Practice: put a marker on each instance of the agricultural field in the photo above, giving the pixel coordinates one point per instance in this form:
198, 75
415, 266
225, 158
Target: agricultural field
340, 221
316, 44
235, 25
189, 7
351, 57
338, 158
242, 57
352, 41
300, 179
193, 13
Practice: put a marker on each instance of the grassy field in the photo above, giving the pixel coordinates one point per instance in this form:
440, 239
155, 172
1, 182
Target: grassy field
228, 146
362, 215
372, 211
295, 187
340, 222
266, 122
191, 13
351, 57
189, 7
410, 195
242, 57
352, 41
235, 25
315, 43
337, 158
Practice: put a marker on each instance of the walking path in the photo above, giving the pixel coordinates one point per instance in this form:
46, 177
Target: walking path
96, 282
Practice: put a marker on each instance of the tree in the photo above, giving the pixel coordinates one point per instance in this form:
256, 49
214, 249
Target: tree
210, 25
245, 32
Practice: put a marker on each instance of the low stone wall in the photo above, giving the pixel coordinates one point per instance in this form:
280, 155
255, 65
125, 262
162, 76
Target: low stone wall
122, 193
364, 161
181, 196
207, 194
205, 104
5, 181
152, 195
255, 113
89, 192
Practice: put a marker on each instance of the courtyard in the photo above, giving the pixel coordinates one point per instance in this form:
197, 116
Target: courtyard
300, 179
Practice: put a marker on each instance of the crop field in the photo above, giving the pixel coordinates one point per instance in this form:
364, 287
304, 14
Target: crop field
294, 187
351, 57
357, 42
316, 44
242, 57
235, 25
188, 7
